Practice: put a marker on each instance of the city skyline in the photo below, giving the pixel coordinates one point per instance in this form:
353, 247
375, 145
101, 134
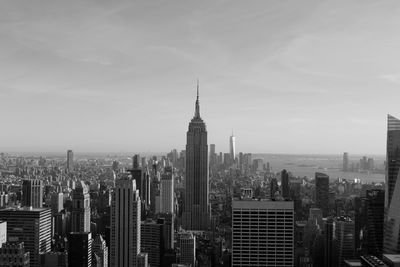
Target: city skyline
83, 76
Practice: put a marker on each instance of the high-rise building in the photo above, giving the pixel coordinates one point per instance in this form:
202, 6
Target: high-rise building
343, 240
345, 161
80, 208
80, 249
167, 191
54, 259
328, 243
125, 223
375, 218
100, 249
187, 247
151, 241
196, 211
14, 254
213, 156
70, 160
285, 184
57, 203
322, 192
31, 226
262, 233
391, 242
32, 193
142, 260
232, 148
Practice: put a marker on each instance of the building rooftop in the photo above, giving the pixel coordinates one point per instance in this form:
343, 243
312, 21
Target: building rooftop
393, 258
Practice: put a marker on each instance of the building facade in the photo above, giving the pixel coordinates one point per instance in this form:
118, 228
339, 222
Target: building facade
322, 192
32, 193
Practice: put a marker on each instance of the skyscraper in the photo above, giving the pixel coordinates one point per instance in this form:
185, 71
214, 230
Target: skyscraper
285, 184
322, 192
167, 191
31, 226
125, 223
262, 233
80, 249
375, 219
196, 212
343, 240
187, 246
32, 193
232, 148
392, 190
80, 221
151, 241
70, 160
345, 161
100, 249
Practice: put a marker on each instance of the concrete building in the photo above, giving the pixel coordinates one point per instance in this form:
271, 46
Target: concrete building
167, 191
151, 241
32, 193
80, 249
31, 226
187, 247
197, 210
262, 233
322, 192
125, 223
343, 240
13, 254
100, 249
70, 161
80, 215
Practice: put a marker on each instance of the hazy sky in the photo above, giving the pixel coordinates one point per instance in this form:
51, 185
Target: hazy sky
308, 76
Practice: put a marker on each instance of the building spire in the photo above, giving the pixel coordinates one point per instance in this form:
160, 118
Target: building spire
197, 110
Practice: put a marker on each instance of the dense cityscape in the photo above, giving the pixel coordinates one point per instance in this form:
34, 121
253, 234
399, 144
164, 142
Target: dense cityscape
196, 208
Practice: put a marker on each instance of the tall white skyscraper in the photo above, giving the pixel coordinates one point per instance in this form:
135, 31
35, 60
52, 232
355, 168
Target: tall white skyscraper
232, 148
167, 192
125, 223
262, 233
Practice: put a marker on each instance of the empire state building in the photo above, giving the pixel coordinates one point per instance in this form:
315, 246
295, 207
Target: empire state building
196, 210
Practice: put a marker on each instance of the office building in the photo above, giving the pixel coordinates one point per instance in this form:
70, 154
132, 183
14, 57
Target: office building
375, 221
32, 193
328, 242
196, 213
232, 148
345, 162
54, 259
70, 161
142, 260
31, 226
99, 249
80, 215
152, 241
187, 248
13, 254
262, 233
57, 203
285, 184
392, 188
80, 249
322, 192
125, 223
343, 240
167, 191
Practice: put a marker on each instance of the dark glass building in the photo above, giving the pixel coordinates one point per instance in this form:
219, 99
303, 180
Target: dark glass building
322, 192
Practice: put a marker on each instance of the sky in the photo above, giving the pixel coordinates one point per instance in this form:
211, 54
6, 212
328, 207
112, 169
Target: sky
297, 77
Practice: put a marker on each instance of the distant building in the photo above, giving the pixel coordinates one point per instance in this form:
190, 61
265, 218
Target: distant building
32, 193
70, 160
197, 211
167, 191
322, 192
125, 223
13, 254
232, 147
80, 249
345, 161
31, 226
262, 233
285, 184
80, 221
